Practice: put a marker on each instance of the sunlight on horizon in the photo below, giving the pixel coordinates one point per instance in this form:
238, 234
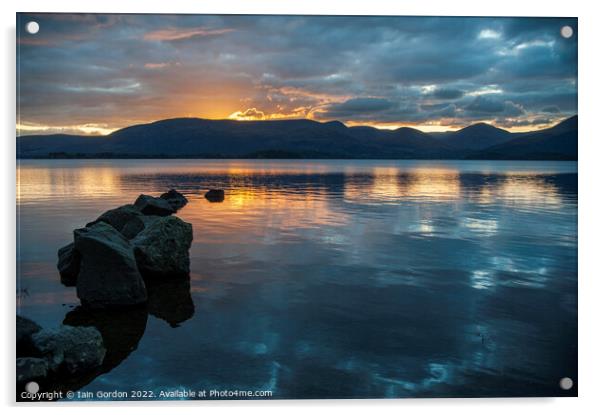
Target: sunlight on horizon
101, 130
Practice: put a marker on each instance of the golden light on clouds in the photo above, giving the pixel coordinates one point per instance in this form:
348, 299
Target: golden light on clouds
172, 34
160, 65
83, 129
246, 67
253, 114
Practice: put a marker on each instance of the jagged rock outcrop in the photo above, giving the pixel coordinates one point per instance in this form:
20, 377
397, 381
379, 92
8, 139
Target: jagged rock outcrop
150, 205
112, 255
74, 350
118, 218
161, 249
31, 368
52, 353
108, 276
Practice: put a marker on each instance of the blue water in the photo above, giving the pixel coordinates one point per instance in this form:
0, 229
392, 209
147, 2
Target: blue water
329, 279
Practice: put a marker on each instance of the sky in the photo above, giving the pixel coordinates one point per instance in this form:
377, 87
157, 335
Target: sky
95, 73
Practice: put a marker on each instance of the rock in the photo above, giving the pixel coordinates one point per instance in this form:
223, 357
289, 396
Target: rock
215, 195
75, 350
126, 219
108, 276
25, 329
150, 205
134, 227
121, 330
176, 199
161, 249
68, 265
31, 368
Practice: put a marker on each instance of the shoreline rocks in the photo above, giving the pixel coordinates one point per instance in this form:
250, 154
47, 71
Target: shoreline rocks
74, 350
110, 257
31, 368
108, 262
51, 352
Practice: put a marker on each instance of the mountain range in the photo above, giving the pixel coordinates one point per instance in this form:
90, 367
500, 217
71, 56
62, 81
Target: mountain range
202, 138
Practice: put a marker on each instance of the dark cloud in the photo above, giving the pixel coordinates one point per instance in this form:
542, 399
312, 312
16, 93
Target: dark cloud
357, 107
551, 109
118, 69
448, 93
509, 123
489, 105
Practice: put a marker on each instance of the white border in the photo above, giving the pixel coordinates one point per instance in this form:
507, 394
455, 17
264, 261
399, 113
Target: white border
590, 151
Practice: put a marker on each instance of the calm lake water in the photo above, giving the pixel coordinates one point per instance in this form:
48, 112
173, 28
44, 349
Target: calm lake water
329, 279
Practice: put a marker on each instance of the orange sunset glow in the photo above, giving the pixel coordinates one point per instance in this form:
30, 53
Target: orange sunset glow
286, 67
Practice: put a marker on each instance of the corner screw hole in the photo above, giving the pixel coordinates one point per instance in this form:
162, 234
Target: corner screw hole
32, 28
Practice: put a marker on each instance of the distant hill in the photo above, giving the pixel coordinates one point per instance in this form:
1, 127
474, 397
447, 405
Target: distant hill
556, 143
201, 138
476, 137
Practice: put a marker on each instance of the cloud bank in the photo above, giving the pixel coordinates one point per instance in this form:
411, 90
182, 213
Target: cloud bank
434, 73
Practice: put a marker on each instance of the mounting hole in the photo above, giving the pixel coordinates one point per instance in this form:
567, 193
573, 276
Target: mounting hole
32, 387
566, 32
32, 28
566, 383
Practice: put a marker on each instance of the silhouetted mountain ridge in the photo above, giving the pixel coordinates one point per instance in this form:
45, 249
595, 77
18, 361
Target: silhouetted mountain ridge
197, 138
555, 143
477, 137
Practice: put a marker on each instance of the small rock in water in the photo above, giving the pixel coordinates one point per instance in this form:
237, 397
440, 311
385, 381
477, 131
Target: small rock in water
150, 205
161, 249
73, 349
68, 265
109, 276
176, 199
215, 195
31, 368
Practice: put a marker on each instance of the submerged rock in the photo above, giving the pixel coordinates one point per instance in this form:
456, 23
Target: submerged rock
68, 265
126, 219
25, 329
108, 276
75, 350
176, 199
161, 249
215, 195
150, 205
31, 368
